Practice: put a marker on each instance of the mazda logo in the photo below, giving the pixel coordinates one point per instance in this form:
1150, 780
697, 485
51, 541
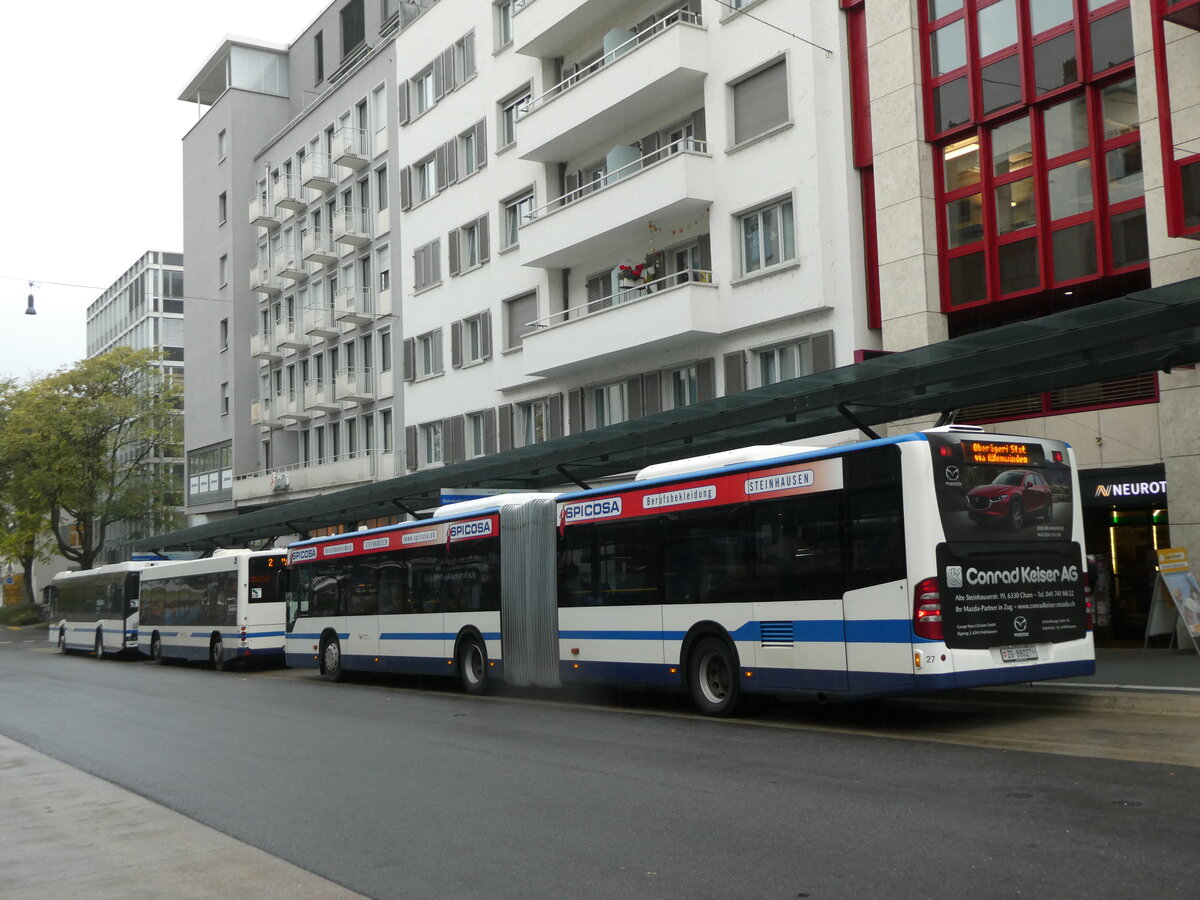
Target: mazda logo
952, 473
1020, 624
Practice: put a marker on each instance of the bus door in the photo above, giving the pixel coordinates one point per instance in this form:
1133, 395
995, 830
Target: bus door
362, 613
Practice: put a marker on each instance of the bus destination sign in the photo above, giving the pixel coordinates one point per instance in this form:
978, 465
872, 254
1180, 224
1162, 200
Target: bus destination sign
1008, 453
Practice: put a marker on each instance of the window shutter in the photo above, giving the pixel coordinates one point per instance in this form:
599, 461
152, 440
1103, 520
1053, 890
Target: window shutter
504, 426
485, 335
633, 396
410, 360
699, 125
651, 393
570, 186
453, 439
439, 162
468, 56
484, 253
650, 145
554, 401
760, 102
705, 252
705, 386
449, 76
402, 103
410, 447
735, 372
439, 76
435, 250
575, 411
437, 351
456, 360
452, 244
452, 161
481, 143
489, 431
406, 187
822, 351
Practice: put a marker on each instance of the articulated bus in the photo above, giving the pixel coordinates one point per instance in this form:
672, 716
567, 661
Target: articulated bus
96, 609
227, 607
944, 559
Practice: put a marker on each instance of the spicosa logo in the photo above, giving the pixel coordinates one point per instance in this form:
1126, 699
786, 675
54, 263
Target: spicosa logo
303, 554
605, 508
463, 530
954, 576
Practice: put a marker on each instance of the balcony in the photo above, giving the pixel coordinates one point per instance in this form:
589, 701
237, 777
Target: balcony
354, 305
316, 172
318, 395
671, 189
354, 384
262, 346
319, 322
289, 335
350, 148
317, 246
262, 211
290, 405
264, 281
642, 79
546, 28
671, 313
301, 481
289, 193
262, 413
352, 225
289, 263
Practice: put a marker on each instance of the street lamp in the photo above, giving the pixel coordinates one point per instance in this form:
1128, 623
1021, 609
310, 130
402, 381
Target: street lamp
29, 310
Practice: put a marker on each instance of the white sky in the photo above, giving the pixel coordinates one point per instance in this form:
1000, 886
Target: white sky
90, 157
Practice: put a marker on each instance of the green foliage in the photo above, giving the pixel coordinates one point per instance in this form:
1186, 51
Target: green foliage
20, 614
79, 447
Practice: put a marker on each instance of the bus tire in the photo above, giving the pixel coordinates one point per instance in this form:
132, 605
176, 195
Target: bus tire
216, 652
713, 678
473, 666
62, 641
156, 651
331, 660
99, 645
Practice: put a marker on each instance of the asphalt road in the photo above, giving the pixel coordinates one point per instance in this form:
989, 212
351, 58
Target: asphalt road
394, 790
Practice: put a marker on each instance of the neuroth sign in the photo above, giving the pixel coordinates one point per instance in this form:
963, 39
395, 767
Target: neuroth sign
993, 488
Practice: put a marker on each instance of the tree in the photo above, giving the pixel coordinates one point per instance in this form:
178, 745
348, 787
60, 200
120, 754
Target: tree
84, 440
23, 518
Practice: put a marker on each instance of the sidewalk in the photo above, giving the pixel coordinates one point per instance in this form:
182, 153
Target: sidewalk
69, 834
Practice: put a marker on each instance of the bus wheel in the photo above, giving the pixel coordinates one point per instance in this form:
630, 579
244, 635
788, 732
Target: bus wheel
713, 678
99, 645
62, 641
331, 660
216, 652
156, 651
472, 666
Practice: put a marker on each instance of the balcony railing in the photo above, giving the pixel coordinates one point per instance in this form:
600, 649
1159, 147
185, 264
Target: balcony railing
262, 412
354, 384
352, 225
319, 322
289, 335
350, 147
264, 281
291, 406
354, 304
262, 211
317, 246
630, 292
318, 395
629, 170
289, 262
316, 172
289, 193
678, 17
262, 346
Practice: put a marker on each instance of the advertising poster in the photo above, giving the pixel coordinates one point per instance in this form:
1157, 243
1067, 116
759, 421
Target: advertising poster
1177, 586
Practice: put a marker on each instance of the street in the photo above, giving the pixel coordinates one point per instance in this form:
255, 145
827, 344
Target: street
395, 789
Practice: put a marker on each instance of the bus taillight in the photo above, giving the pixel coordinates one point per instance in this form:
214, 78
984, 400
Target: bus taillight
927, 610
1087, 602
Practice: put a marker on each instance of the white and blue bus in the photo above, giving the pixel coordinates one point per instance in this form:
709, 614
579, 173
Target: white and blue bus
227, 607
97, 609
944, 559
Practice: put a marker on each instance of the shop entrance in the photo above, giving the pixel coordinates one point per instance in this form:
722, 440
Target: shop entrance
1123, 546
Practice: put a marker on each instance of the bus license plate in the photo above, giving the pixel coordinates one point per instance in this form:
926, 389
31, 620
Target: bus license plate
1018, 654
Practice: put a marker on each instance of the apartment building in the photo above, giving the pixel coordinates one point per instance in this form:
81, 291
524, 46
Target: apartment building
480, 225
474, 226
144, 309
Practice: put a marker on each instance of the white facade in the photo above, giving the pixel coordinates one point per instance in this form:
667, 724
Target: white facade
424, 241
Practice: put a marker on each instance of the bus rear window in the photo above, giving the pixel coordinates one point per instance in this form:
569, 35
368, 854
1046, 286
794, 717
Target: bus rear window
268, 579
1002, 489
